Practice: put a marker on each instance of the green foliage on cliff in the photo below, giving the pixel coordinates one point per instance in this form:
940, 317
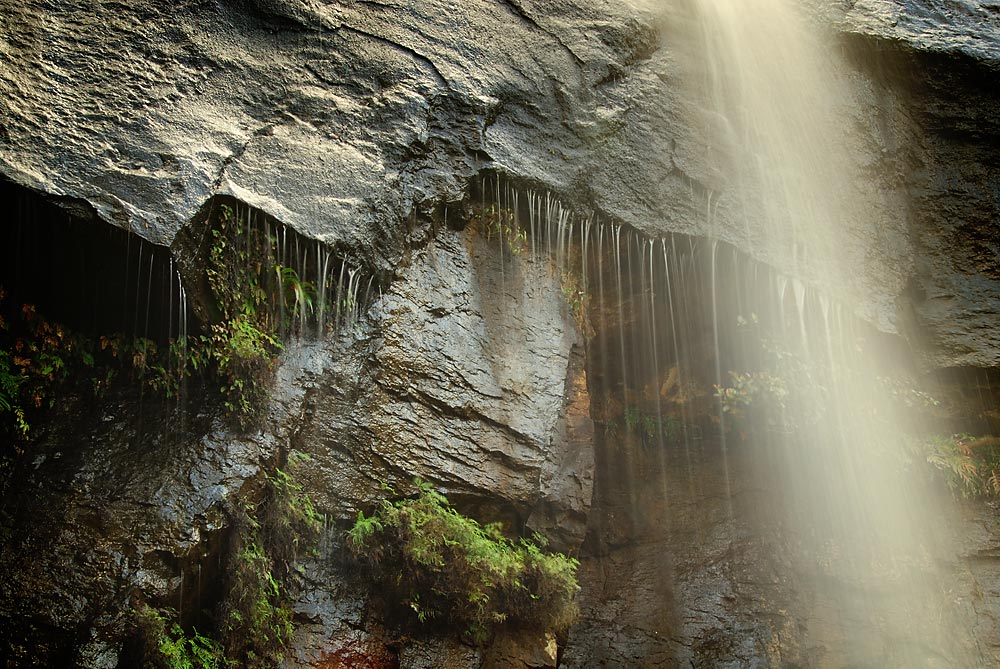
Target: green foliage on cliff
501, 223
256, 613
242, 344
254, 617
38, 357
970, 465
167, 646
447, 568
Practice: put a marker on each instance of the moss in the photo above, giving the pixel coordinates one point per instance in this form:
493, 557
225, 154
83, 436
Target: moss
256, 613
444, 567
254, 623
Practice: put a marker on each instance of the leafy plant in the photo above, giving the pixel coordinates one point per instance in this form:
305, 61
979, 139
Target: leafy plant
970, 465
254, 619
37, 356
501, 223
257, 613
300, 295
257, 616
444, 567
755, 399
907, 394
10, 386
171, 647
673, 429
242, 344
576, 298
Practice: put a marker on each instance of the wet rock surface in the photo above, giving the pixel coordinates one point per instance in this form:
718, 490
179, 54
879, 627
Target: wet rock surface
968, 27
340, 119
464, 382
468, 374
131, 499
691, 562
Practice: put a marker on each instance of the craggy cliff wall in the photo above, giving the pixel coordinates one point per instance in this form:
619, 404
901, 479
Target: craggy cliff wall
341, 119
360, 124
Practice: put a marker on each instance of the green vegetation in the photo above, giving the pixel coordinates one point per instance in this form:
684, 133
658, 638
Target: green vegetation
170, 647
37, 357
256, 301
501, 223
970, 465
647, 426
256, 613
787, 391
241, 347
754, 401
576, 298
644, 424
791, 395
446, 568
299, 296
254, 618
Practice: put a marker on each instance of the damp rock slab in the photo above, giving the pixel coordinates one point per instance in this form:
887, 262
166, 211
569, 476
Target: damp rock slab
128, 500
341, 119
465, 381
468, 375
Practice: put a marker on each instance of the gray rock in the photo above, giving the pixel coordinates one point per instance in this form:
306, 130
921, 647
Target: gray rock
343, 119
134, 507
431, 655
968, 27
467, 374
340, 119
464, 383
692, 562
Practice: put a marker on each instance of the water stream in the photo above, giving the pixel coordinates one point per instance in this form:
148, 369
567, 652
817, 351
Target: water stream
774, 86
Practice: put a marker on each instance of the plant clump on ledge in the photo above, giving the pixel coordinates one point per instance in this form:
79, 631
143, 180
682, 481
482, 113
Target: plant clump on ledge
448, 569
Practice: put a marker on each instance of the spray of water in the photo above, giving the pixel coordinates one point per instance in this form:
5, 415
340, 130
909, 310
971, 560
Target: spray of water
771, 87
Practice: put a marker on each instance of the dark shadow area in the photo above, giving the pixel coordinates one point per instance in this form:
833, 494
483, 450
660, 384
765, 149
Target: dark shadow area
92, 277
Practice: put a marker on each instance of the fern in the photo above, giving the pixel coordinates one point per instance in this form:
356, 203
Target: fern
994, 482
971, 466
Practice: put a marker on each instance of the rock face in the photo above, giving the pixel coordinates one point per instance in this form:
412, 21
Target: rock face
467, 383
132, 501
932, 67
341, 119
464, 382
360, 123
466, 374
691, 562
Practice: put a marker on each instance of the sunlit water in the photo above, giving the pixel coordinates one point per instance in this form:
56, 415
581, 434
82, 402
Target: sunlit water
774, 90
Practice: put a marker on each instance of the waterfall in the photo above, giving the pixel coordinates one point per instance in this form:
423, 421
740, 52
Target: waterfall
727, 372
773, 88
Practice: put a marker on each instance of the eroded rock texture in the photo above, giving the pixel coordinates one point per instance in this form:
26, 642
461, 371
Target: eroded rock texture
339, 119
467, 384
349, 121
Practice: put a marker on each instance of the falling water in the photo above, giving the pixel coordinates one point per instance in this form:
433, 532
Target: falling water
772, 87
311, 288
668, 319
